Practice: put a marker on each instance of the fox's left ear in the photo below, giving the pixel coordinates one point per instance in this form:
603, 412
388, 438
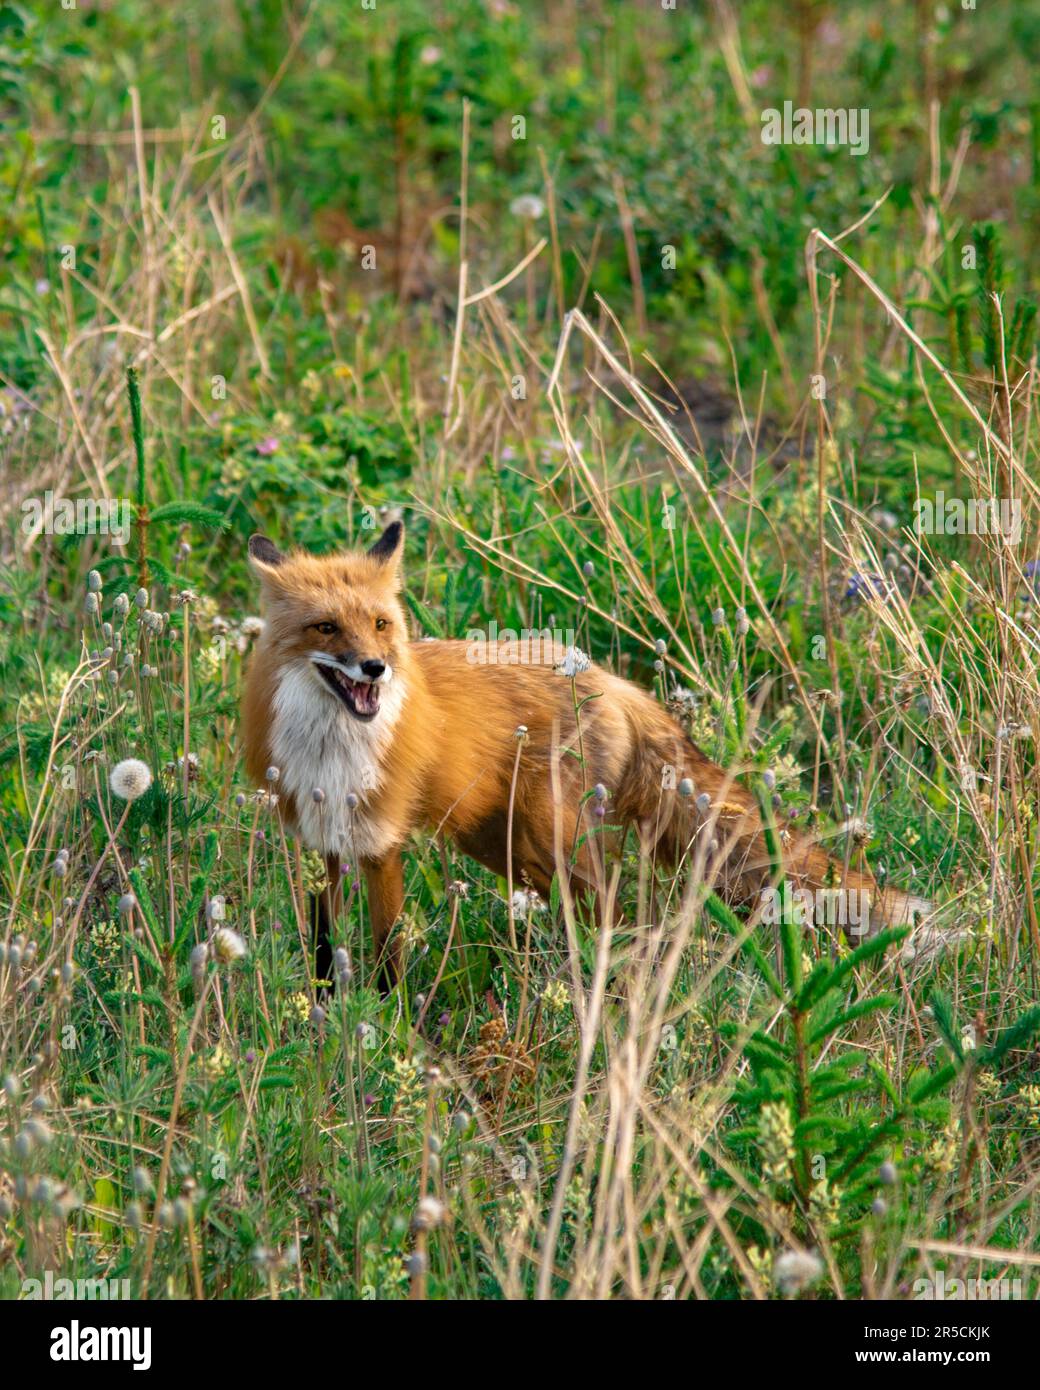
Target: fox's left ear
389, 548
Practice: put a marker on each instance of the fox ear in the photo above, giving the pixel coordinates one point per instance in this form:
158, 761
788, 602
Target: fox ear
387, 549
264, 552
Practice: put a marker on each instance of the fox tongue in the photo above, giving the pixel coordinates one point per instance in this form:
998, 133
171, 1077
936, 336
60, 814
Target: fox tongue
363, 695
366, 698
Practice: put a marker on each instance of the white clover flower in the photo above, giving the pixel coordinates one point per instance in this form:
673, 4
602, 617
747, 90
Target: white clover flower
130, 779
574, 663
228, 946
251, 627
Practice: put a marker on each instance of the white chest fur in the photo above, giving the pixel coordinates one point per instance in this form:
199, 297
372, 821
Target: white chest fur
315, 742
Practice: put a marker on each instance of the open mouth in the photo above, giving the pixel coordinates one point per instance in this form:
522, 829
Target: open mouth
360, 697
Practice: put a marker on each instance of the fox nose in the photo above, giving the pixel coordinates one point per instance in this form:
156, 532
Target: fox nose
373, 669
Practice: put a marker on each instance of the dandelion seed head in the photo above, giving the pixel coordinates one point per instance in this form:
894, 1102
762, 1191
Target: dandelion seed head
574, 662
528, 206
796, 1270
429, 1213
526, 903
130, 779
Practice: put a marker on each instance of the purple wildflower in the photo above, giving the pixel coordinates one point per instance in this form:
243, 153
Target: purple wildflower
864, 586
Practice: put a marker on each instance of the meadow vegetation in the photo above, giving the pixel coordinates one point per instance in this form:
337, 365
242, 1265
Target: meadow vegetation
525, 275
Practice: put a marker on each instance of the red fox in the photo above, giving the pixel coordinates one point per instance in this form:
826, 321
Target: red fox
375, 736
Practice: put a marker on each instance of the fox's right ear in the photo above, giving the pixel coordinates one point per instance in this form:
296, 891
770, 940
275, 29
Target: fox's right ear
264, 553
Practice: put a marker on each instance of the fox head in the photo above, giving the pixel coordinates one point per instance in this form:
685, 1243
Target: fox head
336, 616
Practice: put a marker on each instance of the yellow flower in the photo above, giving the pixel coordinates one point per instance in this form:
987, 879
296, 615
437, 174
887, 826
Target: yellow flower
761, 1261
555, 997
776, 1137
825, 1203
1030, 1097
208, 660
409, 1093
313, 872
214, 1066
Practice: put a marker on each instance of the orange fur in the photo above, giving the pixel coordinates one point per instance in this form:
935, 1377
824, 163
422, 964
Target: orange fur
448, 765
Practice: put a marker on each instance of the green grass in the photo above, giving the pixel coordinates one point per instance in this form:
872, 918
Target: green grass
672, 1111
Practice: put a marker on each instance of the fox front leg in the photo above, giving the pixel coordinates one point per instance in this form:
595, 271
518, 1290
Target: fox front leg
326, 907
384, 879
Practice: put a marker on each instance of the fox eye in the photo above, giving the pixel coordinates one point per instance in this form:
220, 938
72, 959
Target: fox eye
380, 624
326, 629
